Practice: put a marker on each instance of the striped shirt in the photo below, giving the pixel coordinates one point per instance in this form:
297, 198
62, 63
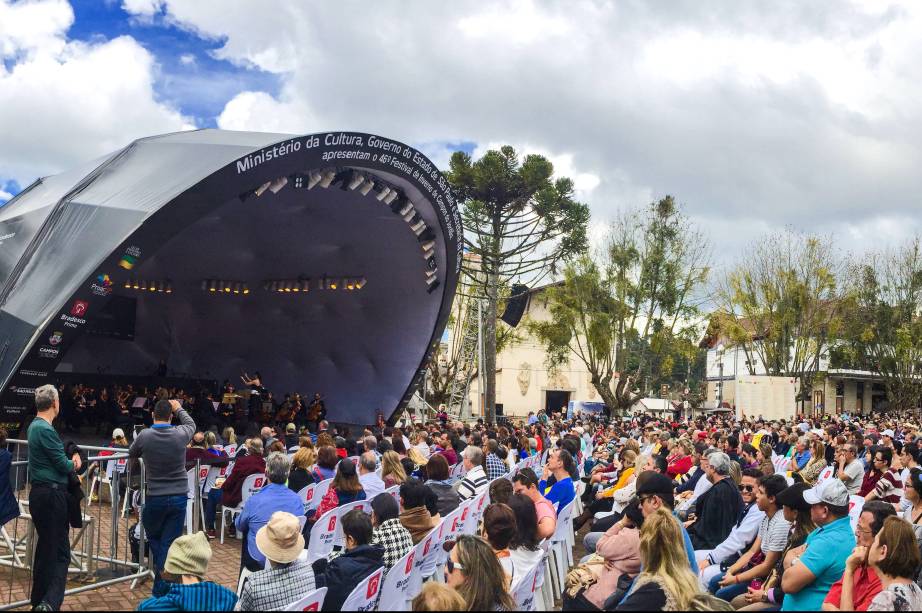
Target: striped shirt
474, 482
205, 596
274, 589
890, 487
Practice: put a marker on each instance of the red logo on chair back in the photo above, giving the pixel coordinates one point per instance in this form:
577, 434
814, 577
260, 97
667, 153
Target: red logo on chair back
464, 514
534, 583
409, 563
454, 525
203, 473
311, 607
332, 525
258, 483
851, 505
310, 494
373, 586
79, 308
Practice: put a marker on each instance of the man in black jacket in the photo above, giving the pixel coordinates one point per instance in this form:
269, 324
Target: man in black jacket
355, 565
719, 508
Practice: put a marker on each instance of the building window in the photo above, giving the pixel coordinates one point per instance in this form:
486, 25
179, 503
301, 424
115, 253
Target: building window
840, 388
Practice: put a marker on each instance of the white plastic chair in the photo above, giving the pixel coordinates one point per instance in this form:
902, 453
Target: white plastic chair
458, 470
194, 482
312, 602
365, 595
558, 547
425, 558
523, 592
395, 595
395, 492
326, 532
364, 505
320, 490
480, 503
251, 485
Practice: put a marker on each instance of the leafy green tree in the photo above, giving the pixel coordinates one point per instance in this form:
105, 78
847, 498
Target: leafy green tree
633, 309
782, 305
520, 222
883, 331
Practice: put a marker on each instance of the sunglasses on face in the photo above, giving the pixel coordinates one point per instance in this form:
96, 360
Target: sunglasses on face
747, 488
451, 566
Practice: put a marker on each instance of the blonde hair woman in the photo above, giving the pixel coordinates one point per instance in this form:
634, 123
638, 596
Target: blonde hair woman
300, 475
392, 472
666, 582
817, 463
475, 572
419, 463
437, 596
229, 436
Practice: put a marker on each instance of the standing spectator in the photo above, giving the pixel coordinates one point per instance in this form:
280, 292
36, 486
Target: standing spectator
718, 508
185, 566
368, 476
666, 582
415, 515
850, 468
388, 531
392, 472
345, 488
439, 483
811, 570
475, 479
474, 571
49, 471
560, 465
360, 559
287, 578
9, 509
889, 487
895, 559
163, 449
865, 583
526, 482
252, 463
257, 511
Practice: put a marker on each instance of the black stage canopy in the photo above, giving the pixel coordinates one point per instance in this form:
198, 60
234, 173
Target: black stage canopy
327, 262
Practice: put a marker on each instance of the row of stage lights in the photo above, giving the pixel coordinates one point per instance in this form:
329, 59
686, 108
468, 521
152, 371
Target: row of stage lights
163, 287
353, 180
301, 285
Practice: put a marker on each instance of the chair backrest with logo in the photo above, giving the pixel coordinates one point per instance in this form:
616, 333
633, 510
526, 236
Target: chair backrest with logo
320, 490
365, 595
855, 504
523, 592
340, 538
458, 470
480, 504
425, 558
395, 595
312, 602
395, 492
251, 485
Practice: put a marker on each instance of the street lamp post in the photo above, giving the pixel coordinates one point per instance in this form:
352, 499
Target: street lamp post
720, 367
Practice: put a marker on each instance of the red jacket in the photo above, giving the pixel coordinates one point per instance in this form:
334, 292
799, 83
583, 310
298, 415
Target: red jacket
679, 467
232, 490
206, 457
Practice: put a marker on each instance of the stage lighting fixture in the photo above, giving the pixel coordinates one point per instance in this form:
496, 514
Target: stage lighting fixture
408, 214
236, 288
361, 283
262, 188
327, 178
127, 284
288, 287
143, 286
227, 287
305, 285
152, 287
350, 284
419, 228
246, 289
357, 180
428, 253
383, 194
432, 283
278, 184
430, 274
212, 287
366, 187
333, 283
428, 245
313, 180
391, 197
169, 288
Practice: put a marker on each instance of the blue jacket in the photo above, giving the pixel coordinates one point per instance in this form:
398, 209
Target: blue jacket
9, 508
345, 572
205, 596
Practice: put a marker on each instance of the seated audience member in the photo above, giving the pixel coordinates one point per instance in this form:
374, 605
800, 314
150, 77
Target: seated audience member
865, 584
416, 464
184, 573
301, 463
499, 529
198, 451
889, 487
560, 466
345, 488
655, 491
388, 531
495, 466
500, 490
251, 463
257, 511
368, 475
619, 547
811, 570
287, 579
525, 482
448, 499
741, 536
895, 559
475, 479
719, 508
437, 596
392, 472
360, 559
760, 559
326, 464
474, 571
666, 582
415, 515
524, 548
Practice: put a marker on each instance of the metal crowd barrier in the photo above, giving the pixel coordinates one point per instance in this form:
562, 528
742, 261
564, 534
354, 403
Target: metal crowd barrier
92, 562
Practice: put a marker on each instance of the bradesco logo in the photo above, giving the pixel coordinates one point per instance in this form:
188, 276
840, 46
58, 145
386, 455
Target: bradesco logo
102, 286
77, 314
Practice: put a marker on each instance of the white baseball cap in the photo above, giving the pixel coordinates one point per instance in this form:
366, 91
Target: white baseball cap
887, 432
831, 491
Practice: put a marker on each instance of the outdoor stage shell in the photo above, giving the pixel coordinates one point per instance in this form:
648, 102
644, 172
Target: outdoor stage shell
233, 211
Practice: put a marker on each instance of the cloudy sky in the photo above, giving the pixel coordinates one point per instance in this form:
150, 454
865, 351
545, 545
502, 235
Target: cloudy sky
755, 115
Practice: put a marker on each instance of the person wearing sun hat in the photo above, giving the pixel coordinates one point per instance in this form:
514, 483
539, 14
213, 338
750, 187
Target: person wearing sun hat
184, 587
288, 577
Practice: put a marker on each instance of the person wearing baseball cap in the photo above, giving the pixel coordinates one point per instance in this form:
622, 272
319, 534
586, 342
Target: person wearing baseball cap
287, 577
656, 490
809, 576
184, 587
